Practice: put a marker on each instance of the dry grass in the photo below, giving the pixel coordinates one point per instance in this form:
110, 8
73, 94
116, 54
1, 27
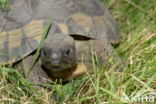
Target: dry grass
137, 21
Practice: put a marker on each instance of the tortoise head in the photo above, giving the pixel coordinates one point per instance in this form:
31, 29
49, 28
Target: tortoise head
58, 52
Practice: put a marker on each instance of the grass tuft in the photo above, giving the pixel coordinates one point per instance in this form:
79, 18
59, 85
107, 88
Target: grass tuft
136, 19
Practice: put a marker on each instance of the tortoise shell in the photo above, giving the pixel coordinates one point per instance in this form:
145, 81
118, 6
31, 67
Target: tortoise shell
22, 27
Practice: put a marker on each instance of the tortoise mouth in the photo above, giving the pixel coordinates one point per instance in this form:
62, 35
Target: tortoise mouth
55, 68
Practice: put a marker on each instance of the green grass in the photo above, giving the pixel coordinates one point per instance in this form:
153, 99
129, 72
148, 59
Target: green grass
137, 22
4, 4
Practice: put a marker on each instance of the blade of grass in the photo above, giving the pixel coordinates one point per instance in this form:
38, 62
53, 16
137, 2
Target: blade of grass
41, 43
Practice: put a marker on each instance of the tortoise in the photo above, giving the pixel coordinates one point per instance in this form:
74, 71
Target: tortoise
79, 28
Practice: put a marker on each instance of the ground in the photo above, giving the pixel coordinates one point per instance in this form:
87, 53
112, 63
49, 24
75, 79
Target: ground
137, 22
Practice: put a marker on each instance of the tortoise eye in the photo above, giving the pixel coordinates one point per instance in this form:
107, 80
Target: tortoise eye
68, 51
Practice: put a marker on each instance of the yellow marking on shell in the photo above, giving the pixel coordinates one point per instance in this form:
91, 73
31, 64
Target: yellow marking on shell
100, 22
34, 30
63, 28
15, 40
83, 20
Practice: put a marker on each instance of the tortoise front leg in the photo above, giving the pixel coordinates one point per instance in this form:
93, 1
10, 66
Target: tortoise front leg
36, 75
103, 50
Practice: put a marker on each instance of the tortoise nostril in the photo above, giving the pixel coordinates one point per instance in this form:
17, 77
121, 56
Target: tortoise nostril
54, 56
55, 59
